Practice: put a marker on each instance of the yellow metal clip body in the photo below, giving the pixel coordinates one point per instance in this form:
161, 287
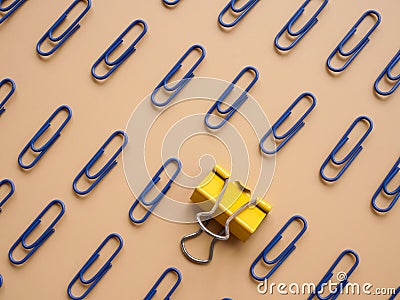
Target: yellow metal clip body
235, 196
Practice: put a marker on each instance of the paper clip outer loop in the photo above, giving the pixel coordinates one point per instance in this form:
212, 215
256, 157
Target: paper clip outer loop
235, 106
8, 96
242, 10
42, 150
301, 32
357, 49
10, 9
292, 131
151, 185
1, 280
388, 72
61, 39
171, 3
183, 82
45, 235
99, 275
283, 255
383, 187
397, 292
153, 290
8, 196
329, 274
112, 162
116, 63
349, 157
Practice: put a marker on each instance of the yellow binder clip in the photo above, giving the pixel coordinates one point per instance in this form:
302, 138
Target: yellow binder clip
231, 205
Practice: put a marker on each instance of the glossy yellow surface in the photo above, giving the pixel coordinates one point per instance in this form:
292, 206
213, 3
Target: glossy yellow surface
236, 195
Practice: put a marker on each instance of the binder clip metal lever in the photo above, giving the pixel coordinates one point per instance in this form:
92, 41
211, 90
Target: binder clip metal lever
231, 206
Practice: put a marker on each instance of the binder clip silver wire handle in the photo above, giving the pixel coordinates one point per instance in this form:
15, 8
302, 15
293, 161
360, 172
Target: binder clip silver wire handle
203, 227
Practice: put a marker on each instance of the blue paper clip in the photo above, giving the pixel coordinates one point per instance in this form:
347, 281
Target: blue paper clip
183, 82
324, 281
153, 290
62, 38
150, 186
228, 112
7, 97
357, 49
384, 187
112, 162
171, 3
6, 12
42, 150
397, 292
1, 280
242, 11
303, 31
293, 130
284, 254
120, 60
39, 242
353, 153
388, 72
99, 275
10, 193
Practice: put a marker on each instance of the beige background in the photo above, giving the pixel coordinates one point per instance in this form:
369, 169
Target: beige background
339, 216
